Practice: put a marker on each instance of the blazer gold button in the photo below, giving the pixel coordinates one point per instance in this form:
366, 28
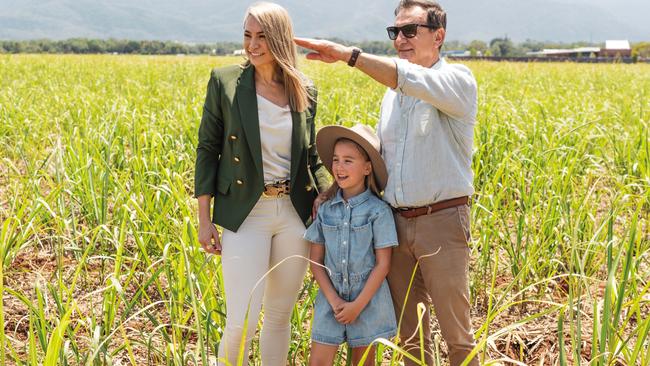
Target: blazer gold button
240, 182
233, 137
308, 188
236, 159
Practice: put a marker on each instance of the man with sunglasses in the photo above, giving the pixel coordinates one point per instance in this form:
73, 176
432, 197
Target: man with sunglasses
426, 130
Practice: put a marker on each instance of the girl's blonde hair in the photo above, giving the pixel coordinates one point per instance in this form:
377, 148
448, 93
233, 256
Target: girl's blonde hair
278, 31
371, 182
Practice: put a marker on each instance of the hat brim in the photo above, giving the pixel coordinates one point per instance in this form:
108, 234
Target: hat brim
326, 139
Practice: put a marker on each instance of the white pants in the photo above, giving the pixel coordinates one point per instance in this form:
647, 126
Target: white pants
272, 232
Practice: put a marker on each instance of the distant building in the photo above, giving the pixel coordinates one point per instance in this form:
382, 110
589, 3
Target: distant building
573, 52
616, 48
456, 53
238, 52
613, 49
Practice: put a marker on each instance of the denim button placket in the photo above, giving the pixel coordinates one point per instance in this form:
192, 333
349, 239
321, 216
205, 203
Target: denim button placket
344, 251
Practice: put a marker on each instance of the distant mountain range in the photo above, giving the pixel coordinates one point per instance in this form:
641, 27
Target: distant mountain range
355, 20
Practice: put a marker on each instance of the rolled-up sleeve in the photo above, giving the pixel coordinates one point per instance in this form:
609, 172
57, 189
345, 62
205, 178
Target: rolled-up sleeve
451, 89
210, 142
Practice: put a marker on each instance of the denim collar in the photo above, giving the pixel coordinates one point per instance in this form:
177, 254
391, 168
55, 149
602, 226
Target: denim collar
353, 201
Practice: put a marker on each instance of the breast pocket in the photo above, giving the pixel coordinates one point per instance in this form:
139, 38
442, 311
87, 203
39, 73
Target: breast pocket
423, 114
330, 232
362, 235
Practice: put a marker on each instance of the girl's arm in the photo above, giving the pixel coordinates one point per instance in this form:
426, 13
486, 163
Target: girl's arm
317, 255
349, 311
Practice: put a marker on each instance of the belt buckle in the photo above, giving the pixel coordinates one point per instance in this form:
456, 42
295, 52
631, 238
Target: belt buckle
284, 188
274, 190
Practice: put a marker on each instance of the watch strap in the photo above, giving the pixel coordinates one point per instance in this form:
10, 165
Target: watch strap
356, 51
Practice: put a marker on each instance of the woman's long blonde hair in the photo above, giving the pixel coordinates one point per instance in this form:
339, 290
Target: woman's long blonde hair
278, 31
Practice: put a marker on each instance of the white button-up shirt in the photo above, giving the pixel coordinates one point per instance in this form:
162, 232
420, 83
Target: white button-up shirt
426, 130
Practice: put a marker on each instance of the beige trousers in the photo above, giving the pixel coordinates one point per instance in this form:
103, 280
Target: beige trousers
271, 233
442, 278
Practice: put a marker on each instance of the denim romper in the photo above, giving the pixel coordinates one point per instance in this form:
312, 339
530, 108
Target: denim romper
351, 231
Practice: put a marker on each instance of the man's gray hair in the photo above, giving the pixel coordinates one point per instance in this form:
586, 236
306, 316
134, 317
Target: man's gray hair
436, 16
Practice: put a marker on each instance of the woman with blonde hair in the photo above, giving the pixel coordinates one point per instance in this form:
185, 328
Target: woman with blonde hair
256, 157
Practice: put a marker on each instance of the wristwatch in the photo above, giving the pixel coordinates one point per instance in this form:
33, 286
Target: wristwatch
355, 54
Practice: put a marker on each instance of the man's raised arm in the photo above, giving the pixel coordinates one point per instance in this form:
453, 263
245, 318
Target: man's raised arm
380, 68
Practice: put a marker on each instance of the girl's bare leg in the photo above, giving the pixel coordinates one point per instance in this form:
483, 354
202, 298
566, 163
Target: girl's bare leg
357, 354
322, 354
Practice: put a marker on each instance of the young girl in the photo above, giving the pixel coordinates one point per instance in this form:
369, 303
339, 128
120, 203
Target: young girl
352, 236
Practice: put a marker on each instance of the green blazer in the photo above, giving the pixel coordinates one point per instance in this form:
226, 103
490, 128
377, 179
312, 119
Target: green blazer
229, 154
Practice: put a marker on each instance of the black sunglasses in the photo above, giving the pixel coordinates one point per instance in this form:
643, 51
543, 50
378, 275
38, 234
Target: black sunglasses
408, 30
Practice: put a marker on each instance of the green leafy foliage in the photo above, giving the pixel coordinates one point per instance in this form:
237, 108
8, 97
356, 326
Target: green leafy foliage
100, 263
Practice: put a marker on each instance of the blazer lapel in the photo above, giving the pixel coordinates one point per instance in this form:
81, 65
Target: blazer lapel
298, 141
247, 103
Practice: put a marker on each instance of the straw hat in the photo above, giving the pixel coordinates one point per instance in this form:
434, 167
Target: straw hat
362, 135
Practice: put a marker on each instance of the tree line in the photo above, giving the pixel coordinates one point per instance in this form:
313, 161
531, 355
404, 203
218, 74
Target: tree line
497, 47
98, 46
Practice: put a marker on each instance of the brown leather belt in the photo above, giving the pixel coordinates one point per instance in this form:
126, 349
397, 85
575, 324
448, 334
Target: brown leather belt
277, 189
410, 213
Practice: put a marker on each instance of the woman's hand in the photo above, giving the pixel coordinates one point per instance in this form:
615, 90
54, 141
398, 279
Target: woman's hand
208, 234
209, 238
322, 197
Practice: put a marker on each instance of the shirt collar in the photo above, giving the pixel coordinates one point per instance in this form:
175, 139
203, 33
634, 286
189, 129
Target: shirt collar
353, 201
441, 61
